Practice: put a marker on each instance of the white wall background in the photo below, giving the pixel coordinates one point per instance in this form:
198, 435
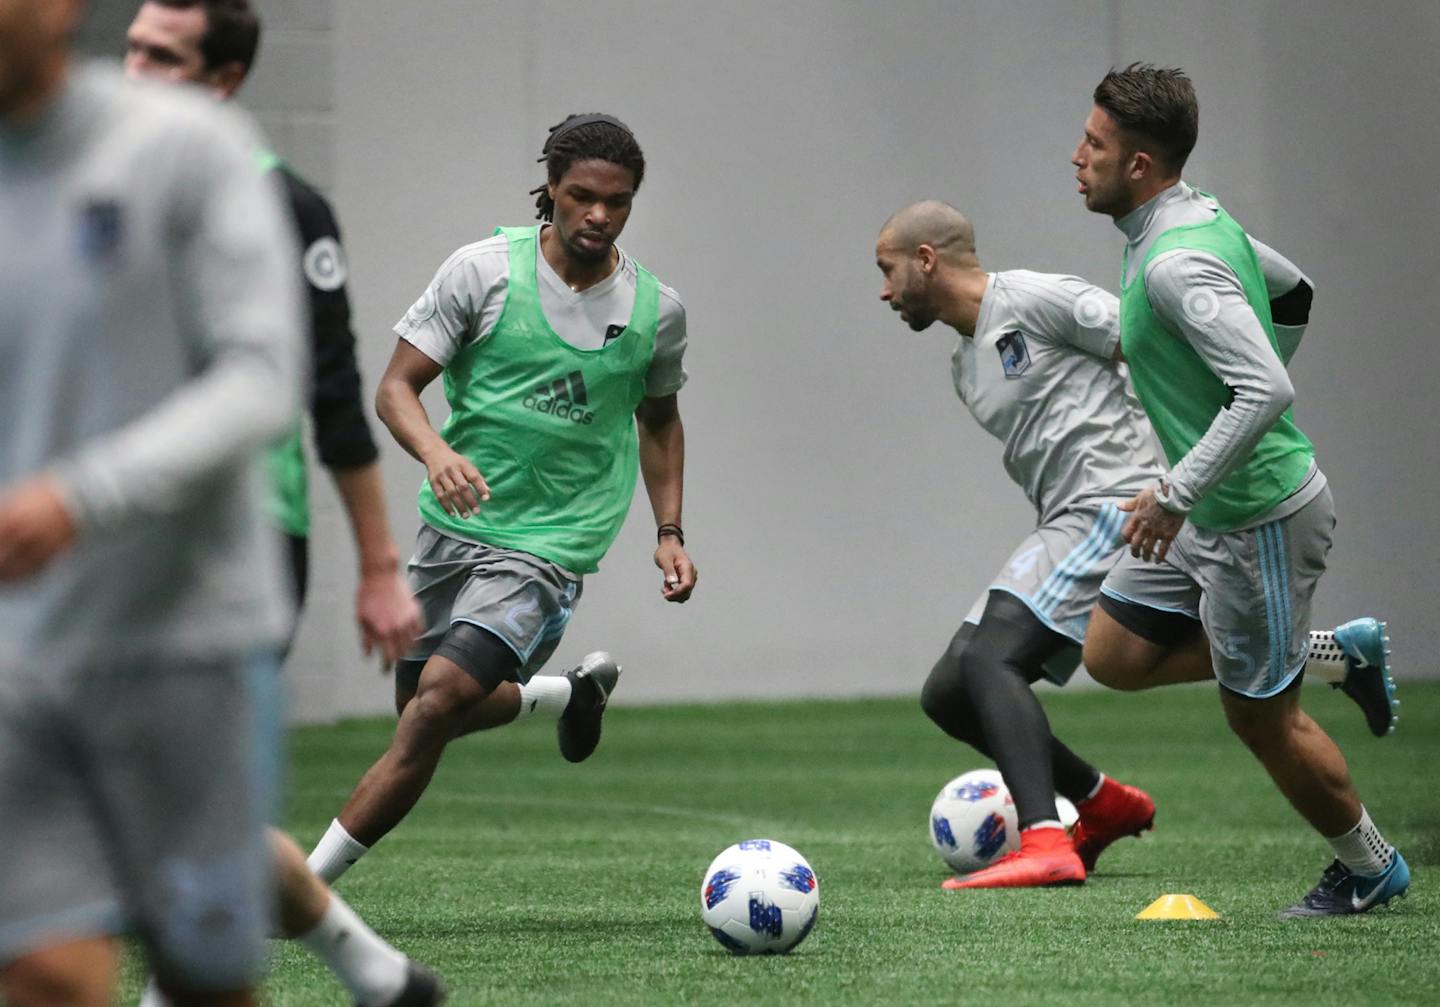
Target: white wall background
842, 507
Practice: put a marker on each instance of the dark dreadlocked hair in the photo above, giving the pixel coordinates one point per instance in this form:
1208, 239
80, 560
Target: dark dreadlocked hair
591, 137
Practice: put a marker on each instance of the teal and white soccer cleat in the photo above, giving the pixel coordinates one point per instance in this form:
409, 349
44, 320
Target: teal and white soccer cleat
1342, 892
591, 684
1367, 673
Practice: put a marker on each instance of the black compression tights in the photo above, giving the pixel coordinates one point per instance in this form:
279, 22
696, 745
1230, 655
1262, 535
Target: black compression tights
979, 692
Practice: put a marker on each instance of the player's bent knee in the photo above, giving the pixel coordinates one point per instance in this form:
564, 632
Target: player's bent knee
942, 691
1111, 671
1257, 735
437, 713
1262, 725
981, 665
1114, 656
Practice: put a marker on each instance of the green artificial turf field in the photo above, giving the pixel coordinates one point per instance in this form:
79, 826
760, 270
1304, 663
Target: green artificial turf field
525, 880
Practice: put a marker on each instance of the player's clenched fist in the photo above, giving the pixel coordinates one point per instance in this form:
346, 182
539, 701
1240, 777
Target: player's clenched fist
35, 527
458, 485
680, 573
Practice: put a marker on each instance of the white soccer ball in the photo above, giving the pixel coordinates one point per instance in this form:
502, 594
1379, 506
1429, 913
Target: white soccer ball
973, 823
759, 897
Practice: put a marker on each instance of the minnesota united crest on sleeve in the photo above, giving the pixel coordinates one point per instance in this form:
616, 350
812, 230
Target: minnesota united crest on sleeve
101, 230
1014, 356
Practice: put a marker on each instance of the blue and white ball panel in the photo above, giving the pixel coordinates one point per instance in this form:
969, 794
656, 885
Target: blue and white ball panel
972, 820
759, 897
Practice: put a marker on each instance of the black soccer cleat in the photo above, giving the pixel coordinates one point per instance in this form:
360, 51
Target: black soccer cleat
1342, 892
591, 684
423, 988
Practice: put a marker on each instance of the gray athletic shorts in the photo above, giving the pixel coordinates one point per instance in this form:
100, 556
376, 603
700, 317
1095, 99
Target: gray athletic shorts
524, 600
135, 798
1250, 589
1057, 571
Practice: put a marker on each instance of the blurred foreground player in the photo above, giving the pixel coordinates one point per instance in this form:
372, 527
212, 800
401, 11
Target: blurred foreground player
1228, 545
212, 44
149, 325
562, 359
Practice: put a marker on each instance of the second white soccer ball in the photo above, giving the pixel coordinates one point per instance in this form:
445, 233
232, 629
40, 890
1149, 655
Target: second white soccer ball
973, 822
759, 897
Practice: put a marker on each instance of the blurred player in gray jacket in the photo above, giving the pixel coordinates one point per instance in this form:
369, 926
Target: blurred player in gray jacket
212, 44
149, 328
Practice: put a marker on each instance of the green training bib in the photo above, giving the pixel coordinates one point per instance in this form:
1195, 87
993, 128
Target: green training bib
550, 427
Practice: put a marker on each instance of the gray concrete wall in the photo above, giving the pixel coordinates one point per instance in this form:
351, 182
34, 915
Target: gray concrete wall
843, 508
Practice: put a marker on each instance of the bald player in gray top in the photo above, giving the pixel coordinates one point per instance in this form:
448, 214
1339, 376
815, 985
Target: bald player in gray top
1038, 367
1035, 366
150, 326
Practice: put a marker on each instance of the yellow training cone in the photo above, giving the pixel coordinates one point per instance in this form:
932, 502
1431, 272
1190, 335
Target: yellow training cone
1177, 907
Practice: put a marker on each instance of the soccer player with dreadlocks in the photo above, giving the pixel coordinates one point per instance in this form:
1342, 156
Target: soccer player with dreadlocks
557, 349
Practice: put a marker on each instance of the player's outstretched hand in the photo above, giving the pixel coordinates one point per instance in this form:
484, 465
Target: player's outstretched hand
1150, 528
678, 571
388, 615
458, 485
35, 527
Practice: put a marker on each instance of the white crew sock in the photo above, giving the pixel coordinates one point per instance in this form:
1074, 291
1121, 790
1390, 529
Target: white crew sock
1326, 661
371, 970
545, 695
335, 854
152, 997
1363, 849
1044, 823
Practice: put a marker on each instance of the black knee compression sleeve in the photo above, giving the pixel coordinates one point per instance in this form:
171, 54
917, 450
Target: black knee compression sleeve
480, 654
942, 697
407, 675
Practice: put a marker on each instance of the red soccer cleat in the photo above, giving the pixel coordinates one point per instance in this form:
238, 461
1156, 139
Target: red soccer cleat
1046, 858
1115, 812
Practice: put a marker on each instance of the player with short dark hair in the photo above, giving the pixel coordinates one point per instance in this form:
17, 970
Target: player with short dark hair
1154, 103
212, 44
219, 56
557, 349
1240, 525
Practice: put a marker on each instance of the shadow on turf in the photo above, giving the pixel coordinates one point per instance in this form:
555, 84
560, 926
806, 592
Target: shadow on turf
562, 925
1099, 879
1424, 852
